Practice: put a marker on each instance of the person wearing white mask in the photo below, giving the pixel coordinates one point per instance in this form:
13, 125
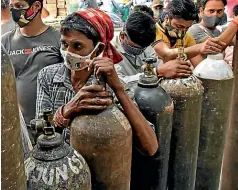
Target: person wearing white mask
67, 88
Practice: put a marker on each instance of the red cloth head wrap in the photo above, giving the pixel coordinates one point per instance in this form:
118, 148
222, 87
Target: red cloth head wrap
103, 24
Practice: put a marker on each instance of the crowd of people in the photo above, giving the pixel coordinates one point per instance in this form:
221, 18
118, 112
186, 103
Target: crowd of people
53, 68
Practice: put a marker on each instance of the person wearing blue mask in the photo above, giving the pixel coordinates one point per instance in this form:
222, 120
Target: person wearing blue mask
134, 44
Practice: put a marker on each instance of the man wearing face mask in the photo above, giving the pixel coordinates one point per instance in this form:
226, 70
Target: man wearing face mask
211, 12
7, 23
67, 88
139, 26
31, 46
172, 34
134, 45
157, 7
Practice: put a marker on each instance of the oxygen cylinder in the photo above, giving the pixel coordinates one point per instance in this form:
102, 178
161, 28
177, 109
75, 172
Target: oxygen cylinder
217, 78
187, 96
229, 179
104, 138
156, 105
53, 164
12, 161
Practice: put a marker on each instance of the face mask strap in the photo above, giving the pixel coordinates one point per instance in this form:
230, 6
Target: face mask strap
32, 3
30, 6
127, 36
86, 56
136, 48
133, 50
98, 44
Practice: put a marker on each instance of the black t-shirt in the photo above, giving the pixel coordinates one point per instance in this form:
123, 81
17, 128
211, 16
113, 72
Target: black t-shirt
29, 55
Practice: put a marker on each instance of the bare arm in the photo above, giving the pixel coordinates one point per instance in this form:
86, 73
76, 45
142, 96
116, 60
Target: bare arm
167, 53
196, 60
193, 52
233, 41
228, 35
144, 133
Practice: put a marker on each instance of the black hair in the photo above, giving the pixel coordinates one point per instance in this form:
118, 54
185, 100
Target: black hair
182, 9
235, 10
141, 28
204, 2
76, 22
145, 9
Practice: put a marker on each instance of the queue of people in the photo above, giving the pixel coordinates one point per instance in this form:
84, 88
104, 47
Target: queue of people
53, 69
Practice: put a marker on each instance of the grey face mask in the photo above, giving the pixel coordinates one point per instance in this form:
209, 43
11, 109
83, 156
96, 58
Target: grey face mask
211, 21
132, 50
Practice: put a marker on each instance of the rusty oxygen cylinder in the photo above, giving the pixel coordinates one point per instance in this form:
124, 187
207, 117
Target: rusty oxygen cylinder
12, 161
104, 138
157, 107
217, 78
229, 179
187, 96
53, 164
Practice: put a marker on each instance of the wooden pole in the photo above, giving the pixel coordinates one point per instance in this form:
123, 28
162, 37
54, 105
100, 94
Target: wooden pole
229, 180
12, 160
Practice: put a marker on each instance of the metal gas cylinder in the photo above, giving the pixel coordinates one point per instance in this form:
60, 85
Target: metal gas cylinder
12, 161
53, 164
104, 138
229, 179
157, 107
187, 96
217, 78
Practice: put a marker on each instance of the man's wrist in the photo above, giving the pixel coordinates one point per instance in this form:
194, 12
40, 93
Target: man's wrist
200, 48
66, 113
59, 119
160, 70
